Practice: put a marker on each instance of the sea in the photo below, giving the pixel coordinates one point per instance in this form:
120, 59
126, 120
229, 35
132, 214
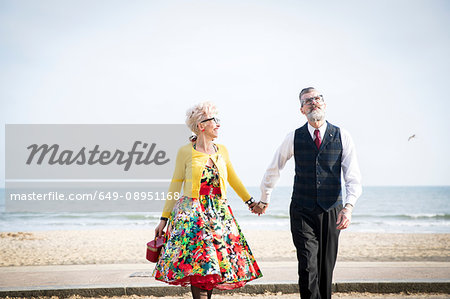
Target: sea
393, 209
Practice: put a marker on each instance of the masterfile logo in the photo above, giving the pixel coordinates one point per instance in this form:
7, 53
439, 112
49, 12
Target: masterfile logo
90, 167
53, 155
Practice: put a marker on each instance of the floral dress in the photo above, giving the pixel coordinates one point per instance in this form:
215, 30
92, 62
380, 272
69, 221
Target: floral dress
204, 245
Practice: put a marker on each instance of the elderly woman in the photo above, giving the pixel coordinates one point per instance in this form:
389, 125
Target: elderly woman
204, 247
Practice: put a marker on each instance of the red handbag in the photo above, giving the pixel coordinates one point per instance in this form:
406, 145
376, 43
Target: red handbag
154, 248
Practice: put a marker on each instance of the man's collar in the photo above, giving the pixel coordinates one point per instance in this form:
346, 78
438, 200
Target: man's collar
322, 129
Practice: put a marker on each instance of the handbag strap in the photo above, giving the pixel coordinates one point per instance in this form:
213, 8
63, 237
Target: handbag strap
156, 237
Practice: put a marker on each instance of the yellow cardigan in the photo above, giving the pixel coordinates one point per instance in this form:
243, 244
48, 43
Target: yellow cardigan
189, 168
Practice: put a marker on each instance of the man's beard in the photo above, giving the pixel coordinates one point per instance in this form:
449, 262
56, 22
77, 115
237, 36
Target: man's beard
316, 115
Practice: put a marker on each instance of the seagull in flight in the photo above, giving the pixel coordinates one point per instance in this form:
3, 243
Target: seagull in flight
411, 137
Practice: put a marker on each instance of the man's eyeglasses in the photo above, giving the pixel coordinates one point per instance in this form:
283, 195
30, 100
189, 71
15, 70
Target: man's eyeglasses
215, 119
318, 99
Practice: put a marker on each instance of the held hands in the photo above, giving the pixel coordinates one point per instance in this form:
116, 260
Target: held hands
256, 207
344, 217
259, 208
159, 230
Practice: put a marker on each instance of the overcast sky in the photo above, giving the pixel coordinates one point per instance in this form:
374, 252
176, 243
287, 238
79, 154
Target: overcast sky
382, 66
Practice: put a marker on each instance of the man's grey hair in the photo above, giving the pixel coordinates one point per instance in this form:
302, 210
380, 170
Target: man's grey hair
305, 90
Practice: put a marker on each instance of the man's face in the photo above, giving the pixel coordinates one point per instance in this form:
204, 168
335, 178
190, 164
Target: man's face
313, 106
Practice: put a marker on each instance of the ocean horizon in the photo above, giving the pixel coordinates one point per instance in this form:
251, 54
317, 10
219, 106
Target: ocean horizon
382, 209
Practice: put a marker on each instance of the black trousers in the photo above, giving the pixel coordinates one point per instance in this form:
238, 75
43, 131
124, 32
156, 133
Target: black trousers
316, 240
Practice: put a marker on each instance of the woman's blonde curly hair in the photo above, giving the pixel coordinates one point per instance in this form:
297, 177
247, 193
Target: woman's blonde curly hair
199, 112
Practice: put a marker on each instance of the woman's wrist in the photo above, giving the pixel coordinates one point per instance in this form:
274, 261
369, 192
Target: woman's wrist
250, 201
164, 219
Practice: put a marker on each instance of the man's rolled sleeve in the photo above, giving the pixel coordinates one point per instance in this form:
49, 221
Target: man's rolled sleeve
272, 175
350, 169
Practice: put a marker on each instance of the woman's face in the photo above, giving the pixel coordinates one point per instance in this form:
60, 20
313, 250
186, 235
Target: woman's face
210, 127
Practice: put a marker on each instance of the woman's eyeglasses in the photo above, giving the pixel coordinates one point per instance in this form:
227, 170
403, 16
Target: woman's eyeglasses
215, 119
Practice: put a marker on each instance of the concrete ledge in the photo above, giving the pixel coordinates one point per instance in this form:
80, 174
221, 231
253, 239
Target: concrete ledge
65, 292
393, 287
287, 288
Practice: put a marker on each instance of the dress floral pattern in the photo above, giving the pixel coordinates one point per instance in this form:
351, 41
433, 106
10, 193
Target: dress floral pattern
204, 245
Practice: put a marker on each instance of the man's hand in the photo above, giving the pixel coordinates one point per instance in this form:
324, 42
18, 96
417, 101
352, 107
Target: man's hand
344, 218
260, 208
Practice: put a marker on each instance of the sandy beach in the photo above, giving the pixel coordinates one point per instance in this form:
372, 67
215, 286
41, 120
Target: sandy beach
274, 296
128, 246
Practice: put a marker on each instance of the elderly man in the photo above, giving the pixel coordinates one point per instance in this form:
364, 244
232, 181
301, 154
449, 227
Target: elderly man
321, 152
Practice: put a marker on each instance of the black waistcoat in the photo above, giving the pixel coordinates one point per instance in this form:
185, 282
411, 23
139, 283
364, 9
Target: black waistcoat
317, 171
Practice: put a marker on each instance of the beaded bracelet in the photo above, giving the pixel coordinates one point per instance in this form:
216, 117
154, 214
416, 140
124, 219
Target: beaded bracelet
250, 201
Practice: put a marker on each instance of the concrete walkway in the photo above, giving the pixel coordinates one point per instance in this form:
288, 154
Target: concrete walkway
127, 279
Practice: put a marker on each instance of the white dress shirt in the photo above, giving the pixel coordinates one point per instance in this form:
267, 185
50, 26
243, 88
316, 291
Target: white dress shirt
349, 165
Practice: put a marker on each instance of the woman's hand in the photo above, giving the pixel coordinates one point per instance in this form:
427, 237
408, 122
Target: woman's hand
159, 230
